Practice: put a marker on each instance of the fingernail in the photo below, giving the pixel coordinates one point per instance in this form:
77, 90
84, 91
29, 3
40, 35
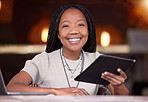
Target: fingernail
118, 69
105, 73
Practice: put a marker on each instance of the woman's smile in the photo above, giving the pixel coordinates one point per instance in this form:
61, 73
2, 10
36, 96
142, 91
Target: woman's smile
74, 39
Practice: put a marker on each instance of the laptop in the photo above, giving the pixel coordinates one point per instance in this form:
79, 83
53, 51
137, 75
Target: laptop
3, 90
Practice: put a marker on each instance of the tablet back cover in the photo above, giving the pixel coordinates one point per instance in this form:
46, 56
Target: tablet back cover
104, 63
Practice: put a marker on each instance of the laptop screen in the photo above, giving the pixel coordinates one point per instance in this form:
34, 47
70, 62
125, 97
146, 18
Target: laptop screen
2, 85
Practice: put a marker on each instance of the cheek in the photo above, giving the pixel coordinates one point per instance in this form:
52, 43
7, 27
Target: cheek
60, 36
86, 38
85, 32
62, 33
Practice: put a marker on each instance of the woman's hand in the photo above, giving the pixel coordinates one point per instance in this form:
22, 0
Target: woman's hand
116, 81
68, 91
72, 91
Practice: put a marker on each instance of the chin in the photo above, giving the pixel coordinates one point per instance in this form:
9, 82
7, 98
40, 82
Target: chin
75, 49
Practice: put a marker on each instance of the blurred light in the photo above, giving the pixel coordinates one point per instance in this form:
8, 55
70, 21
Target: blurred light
44, 34
105, 38
142, 10
145, 4
0, 4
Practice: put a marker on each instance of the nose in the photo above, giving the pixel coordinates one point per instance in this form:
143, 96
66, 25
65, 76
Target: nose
73, 32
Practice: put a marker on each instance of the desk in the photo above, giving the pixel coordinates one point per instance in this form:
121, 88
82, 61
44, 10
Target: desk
73, 99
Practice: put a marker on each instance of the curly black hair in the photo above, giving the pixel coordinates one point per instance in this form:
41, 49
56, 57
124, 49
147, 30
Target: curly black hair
54, 43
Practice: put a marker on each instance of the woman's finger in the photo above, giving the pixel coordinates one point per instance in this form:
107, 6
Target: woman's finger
122, 73
84, 91
80, 91
78, 94
113, 76
111, 80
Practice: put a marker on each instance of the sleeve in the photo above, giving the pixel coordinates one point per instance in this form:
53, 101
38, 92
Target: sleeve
103, 90
32, 69
36, 67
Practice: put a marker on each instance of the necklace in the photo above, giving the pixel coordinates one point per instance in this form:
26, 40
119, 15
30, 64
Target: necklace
72, 70
68, 67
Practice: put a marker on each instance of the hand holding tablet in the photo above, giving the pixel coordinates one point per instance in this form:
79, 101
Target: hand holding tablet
104, 63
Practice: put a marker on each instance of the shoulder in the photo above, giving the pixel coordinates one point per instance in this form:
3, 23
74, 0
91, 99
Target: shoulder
45, 55
93, 55
43, 58
90, 57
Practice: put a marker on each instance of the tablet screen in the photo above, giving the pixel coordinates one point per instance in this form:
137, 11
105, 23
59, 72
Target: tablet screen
104, 63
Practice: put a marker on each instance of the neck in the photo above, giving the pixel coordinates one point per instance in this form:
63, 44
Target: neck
71, 55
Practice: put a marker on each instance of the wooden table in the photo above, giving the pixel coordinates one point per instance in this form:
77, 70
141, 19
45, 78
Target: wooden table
73, 99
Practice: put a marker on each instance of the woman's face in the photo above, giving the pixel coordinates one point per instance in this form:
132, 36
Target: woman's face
73, 30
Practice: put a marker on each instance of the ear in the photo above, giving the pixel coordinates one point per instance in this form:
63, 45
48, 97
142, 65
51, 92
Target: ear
58, 35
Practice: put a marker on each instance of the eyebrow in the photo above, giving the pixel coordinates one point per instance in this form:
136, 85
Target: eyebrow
81, 20
64, 21
77, 21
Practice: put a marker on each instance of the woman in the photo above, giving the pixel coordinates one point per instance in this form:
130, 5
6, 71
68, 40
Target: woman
71, 48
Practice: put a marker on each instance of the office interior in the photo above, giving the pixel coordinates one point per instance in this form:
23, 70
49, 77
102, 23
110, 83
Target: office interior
121, 30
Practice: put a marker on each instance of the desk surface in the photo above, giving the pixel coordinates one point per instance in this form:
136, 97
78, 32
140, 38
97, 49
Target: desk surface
73, 99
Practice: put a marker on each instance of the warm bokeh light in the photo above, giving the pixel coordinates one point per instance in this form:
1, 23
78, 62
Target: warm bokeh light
0, 4
44, 34
145, 4
105, 38
142, 10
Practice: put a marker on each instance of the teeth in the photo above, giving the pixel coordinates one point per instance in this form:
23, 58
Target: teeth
77, 39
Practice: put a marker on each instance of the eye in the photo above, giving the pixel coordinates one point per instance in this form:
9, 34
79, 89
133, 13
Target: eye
81, 24
65, 26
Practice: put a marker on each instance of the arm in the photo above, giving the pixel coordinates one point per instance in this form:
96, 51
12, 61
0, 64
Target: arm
21, 83
116, 85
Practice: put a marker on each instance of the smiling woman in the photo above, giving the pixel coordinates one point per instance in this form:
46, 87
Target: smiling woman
72, 44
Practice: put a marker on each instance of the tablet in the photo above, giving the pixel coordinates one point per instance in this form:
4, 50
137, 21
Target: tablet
103, 63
